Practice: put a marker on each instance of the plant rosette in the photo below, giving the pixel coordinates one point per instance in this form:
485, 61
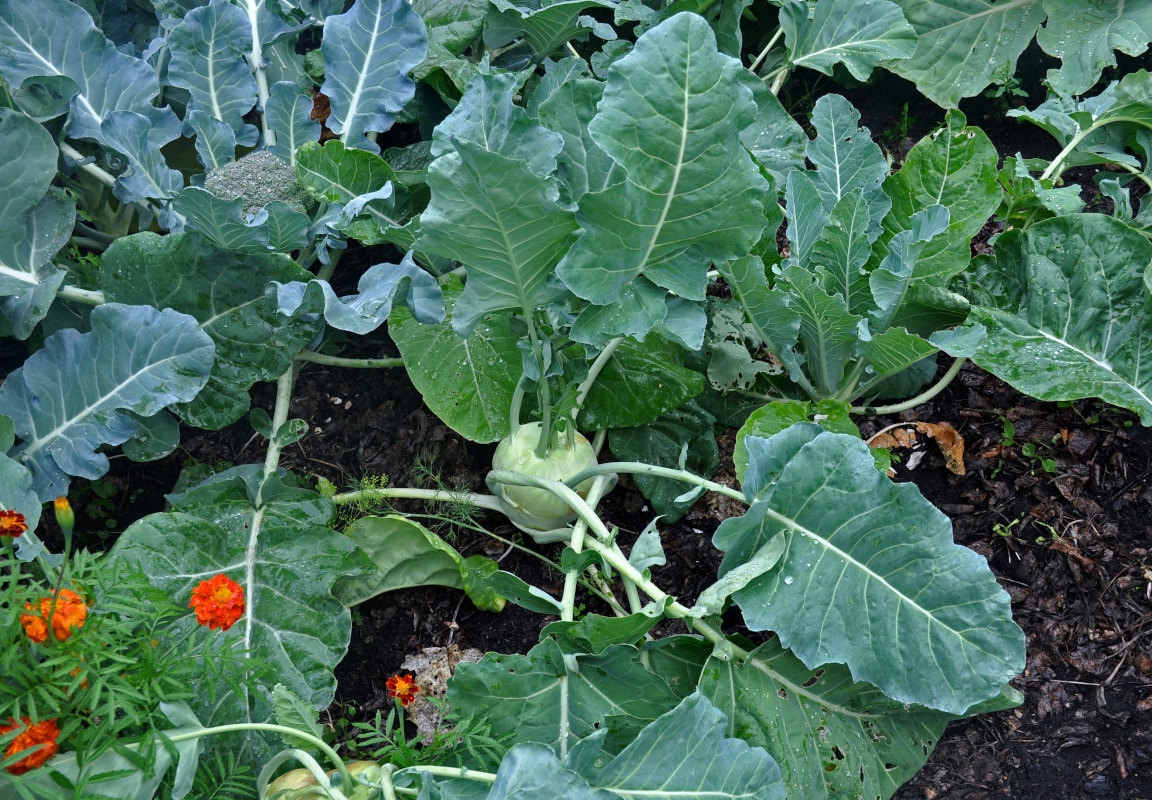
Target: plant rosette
539, 512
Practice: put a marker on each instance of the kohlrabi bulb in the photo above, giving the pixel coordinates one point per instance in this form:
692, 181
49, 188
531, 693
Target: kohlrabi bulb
534, 508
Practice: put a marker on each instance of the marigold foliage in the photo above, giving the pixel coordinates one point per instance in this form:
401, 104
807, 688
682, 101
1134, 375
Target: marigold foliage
69, 614
219, 602
40, 738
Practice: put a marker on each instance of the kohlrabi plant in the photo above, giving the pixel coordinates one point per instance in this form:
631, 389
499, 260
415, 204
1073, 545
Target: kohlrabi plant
590, 183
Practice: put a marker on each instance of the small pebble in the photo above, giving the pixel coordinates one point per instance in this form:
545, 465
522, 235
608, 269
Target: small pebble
1099, 785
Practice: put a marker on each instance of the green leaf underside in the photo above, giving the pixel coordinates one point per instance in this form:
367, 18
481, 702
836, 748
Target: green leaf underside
1085, 35
870, 576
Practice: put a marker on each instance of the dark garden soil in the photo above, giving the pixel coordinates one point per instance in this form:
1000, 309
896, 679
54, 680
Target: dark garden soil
1061, 508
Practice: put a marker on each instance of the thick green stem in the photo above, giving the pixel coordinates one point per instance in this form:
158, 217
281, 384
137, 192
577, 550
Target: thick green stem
1053, 171
316, 742
848, 390
923, 397
313, 357
568, 599
755, 65
456, 772
86, 296
640, 468
596, 368
479, 500
543, 391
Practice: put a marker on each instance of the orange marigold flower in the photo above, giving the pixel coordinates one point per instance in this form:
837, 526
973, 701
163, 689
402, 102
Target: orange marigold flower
219, 602
12, 523
403, 688
68, 614
40, 738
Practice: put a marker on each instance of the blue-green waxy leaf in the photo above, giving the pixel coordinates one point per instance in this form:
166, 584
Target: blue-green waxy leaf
538, 698
28, 159
671, 116
870, 576
891, 282
828, 330
287, 112
208, 48
775, 140
501, 221
68, 399
215, 140
276, 228
690, 752
1068, 313
841, 250
367, 310
368, 52
544, 26
225, 292
964, 45
284, 556
832, 737
139, 138
857, 34
1085, 36
56, 37
359, 181
769, 310
17, 492
954, 167
28, 241
467, 382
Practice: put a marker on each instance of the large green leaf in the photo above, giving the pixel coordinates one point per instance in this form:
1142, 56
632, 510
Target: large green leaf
56, 37
538, 698
284, 556
858, 35
467, 382
832, 737
28, 158
641, 381
846, 158
225, 292
568, 109
368, 53
68, 399
954, 167
408, 554
1084, 36
828, 331
870, 576
1068, 313
208, 48
503, 222
544, 25
276, 228
691, 752
964, 45
288, 114
671, 116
